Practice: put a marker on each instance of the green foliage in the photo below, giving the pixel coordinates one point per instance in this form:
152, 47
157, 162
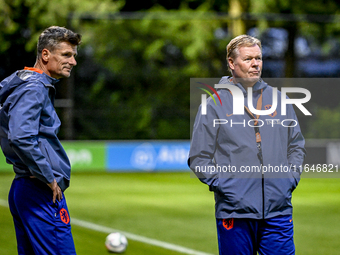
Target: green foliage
21, 22
310, 27
151, 61
326, 123
132, 78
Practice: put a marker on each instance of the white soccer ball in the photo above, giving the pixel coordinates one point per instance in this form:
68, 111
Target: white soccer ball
116, 242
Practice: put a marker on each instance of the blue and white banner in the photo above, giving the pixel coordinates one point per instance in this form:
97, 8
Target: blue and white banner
147, 156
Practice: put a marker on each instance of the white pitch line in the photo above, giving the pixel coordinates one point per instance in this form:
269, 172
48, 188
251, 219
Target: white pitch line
3, 203
142, 239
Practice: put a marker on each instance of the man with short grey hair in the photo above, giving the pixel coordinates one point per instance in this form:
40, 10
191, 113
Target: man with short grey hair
28, 133
255, 166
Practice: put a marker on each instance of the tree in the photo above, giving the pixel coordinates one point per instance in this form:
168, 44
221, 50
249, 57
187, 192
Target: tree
290, 16
134, 66
144, 89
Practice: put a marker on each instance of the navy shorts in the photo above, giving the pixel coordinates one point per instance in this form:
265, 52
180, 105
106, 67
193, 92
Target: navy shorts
248, 236
41, 227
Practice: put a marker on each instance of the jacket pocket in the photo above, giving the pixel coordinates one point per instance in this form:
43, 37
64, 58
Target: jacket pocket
48, 152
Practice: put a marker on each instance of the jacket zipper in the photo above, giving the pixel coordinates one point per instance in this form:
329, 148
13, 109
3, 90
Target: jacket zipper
262, 194
260, 156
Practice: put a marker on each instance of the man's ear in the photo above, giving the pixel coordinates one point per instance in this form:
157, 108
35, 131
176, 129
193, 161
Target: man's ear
45, 55
231, 63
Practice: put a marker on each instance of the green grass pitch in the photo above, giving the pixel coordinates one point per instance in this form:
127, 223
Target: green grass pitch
177, 209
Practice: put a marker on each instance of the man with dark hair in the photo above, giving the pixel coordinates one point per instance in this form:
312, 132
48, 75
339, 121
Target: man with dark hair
252, 169
28, 133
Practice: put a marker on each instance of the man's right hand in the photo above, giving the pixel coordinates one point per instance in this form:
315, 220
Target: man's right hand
57, 194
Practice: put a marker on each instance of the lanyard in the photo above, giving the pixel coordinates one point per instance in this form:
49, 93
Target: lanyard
258, 107
256, 128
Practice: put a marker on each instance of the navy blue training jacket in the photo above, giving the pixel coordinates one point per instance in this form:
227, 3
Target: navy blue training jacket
28, 128
225, 156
